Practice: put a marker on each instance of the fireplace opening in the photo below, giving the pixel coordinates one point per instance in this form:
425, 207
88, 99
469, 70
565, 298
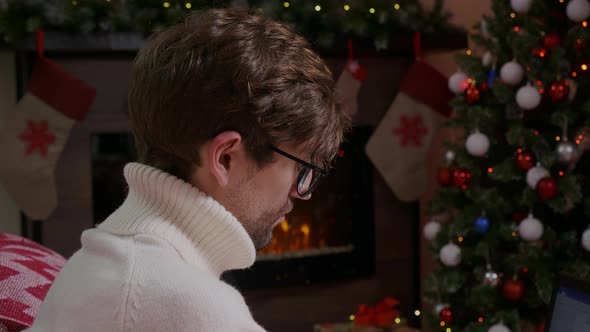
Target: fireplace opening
329, 237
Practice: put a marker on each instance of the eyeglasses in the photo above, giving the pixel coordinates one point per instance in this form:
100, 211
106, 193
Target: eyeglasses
310, 176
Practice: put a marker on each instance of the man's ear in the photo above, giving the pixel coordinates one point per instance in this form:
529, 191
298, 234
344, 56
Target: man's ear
224, 153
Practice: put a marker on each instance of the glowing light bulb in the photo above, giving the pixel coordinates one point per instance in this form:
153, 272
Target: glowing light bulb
318, 8
346, 7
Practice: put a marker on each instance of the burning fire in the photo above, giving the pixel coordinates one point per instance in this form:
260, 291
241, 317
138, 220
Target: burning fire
291, 237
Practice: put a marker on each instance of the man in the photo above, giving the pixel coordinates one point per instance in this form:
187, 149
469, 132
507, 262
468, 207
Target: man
234, 118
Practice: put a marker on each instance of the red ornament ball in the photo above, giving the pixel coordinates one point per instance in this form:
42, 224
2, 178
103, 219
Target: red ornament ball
519, 216
551, 40
547, 188
513, 290
445, 176
525, 160
559, 90
446, 315
484, 87
580, 45
541, 327
461, 178
472, 95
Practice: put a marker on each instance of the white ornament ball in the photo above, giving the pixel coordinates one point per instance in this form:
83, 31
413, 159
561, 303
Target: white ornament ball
535, 174
528, 97
521, 6
578, 10
530, 229
499, 328
439, 307
477, 144
512, 73
450, 156
431, 230
586, 239
458, 82
487, 59
484, 29
450, 255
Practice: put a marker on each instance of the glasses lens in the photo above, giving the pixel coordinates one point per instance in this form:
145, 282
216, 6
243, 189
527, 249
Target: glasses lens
305, 181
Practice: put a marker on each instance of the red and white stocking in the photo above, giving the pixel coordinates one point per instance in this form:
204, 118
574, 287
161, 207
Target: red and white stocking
35, 133
399, 145
349, 83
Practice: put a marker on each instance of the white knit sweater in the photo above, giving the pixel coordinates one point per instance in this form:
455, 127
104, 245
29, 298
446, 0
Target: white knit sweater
154, 265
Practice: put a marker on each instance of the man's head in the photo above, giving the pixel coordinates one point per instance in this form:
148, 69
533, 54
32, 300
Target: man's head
212, 98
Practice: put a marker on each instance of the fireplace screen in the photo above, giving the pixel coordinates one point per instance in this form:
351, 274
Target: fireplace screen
328, 237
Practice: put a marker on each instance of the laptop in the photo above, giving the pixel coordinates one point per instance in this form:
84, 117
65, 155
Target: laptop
570, 305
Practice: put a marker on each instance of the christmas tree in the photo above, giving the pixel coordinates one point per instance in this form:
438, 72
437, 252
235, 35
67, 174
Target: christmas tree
513, 207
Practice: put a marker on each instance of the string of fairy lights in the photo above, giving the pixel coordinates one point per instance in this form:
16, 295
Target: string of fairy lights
286, 4
355, 18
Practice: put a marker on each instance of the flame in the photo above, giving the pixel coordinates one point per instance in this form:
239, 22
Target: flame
295, 234
305, 229
285, 225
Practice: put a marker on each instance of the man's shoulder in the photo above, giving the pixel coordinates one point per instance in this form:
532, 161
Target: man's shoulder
158, 263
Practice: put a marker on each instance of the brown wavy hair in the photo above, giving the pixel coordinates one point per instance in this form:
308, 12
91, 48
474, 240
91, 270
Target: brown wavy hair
226, 69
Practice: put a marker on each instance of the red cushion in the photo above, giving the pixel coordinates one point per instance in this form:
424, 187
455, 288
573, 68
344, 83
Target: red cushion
27, 270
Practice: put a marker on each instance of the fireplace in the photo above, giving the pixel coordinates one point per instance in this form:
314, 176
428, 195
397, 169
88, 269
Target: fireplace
329, 237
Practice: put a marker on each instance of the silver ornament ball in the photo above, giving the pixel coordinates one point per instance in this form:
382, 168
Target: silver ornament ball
491, 278
567, 152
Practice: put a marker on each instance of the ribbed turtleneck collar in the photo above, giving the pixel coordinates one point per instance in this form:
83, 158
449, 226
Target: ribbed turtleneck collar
164, 206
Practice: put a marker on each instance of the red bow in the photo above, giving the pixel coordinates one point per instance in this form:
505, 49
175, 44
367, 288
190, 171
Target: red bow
382, 314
